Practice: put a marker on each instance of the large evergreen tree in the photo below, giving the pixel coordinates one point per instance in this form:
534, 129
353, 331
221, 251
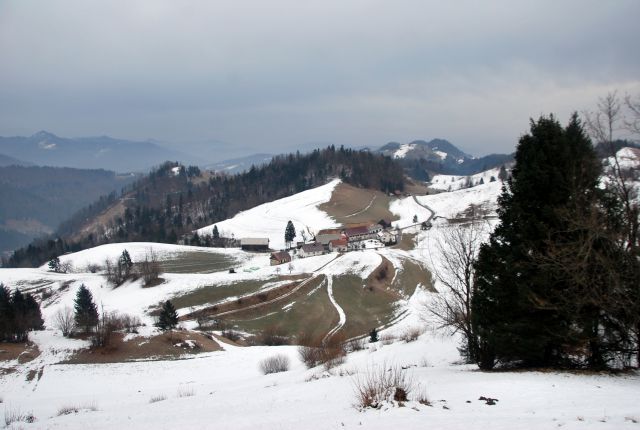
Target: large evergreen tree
519, 310
86, 311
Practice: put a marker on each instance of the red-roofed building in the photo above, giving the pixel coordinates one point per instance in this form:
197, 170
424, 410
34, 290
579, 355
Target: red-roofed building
338, 245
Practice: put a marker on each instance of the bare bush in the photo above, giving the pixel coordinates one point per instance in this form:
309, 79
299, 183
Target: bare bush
315, 351
64, 321
93, 268
231, 334
12, 415
126, 322
149, 268
411, 334
186, 392
277, 363
354, 345
104, 330
74, 409
387, 339
158, 398
273, 336
382, 384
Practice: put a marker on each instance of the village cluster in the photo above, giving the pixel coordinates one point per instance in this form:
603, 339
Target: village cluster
341, 239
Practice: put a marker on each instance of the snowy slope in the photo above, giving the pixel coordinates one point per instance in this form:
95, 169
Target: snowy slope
456, 182
226, 390
270, 219
447, 205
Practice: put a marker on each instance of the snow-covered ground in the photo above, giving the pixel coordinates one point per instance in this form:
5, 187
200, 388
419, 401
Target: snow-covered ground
270, 219
226, 389
456, 182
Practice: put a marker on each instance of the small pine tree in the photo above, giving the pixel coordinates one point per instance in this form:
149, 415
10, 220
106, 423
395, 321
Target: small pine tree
215, 233
168, 318
86, 311
415, 219
373, 335
289, 233
54, 264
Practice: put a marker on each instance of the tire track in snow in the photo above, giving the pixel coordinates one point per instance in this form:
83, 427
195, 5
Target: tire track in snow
343, 316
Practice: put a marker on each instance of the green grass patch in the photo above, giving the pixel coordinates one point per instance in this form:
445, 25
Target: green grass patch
217, 293
312, 313
365, 307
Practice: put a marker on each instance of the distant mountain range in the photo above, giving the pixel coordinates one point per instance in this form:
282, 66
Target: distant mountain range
422, 159
47, 149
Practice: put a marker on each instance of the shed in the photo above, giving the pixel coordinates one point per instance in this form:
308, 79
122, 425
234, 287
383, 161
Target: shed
254, 244
311, 250
279, 257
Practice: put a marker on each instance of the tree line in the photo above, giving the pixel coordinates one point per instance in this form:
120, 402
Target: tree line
19, 313
163, 206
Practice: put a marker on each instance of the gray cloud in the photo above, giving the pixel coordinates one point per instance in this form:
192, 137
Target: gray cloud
275, 75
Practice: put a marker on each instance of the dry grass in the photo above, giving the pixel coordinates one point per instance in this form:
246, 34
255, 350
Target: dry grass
12, 415
74, 409
186, 392
277, 363
382, 384
158, 398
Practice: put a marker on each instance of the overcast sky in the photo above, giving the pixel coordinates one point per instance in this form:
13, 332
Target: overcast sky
270, 76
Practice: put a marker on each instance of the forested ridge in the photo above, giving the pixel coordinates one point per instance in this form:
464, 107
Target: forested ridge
173, 200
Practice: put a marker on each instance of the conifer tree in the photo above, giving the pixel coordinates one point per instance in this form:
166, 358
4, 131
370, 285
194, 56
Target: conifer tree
6, 314
289, 233
54, 264
86, 311
517, 311
215, 234
168, 318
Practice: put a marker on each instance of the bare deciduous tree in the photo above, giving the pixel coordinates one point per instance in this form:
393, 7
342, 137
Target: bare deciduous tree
608, 122
64, 321
150, 267
457, 248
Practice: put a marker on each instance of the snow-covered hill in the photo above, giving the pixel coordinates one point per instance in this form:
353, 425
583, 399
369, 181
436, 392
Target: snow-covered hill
270, 219
226, 389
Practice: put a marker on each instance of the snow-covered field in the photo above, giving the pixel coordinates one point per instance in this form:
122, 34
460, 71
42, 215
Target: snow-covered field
270, 219
225, 389
456, 182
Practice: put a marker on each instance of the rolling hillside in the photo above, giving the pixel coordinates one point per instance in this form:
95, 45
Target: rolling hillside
203, 373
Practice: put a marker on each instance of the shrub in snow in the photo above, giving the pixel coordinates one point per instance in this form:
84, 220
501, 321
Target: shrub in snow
383, 384
314, 351
373, 336
158, 398
277, 363
63, 320
272, 336
186, 392
411, 334
16, 416
74, 409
